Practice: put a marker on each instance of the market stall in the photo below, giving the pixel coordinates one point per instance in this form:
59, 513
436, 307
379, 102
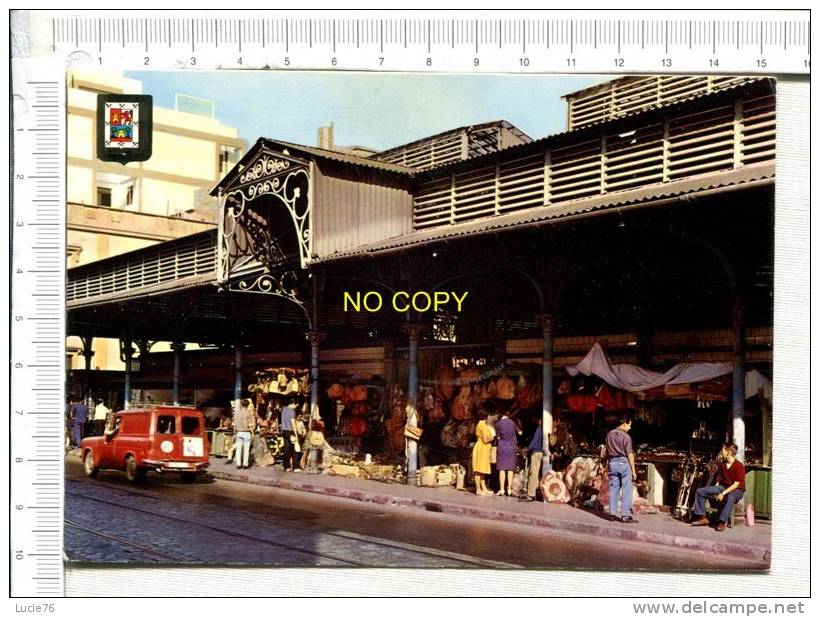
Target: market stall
681, 419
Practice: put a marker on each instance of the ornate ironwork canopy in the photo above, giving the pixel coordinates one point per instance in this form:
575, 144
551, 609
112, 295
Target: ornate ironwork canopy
251, 231
264, 225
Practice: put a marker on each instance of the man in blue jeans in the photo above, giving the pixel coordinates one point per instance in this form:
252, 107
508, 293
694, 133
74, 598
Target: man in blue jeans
731, 483
244, 423
621, 470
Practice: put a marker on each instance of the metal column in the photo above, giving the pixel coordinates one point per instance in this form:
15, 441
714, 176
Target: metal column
177, 348
546, 321
127, 355
315, 339
237, 383
739, 379
411, 449
88, 353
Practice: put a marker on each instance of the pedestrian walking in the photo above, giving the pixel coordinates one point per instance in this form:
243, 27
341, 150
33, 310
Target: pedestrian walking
621, 470
244, 422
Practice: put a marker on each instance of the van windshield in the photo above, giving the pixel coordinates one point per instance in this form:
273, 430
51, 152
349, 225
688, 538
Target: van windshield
167, 425
190, 425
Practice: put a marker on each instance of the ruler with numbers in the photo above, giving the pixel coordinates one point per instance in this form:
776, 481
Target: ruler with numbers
561, 41
37, 334
44, 43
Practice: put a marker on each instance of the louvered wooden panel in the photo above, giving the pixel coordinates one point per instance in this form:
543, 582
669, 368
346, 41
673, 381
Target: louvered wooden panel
474, 194
432, 204
576, 171
521, 183
701, 142
143, 269
633, 158
723, 137
758, 130
632, 94
428, 153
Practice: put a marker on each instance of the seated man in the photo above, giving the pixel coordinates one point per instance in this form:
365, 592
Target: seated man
731, 482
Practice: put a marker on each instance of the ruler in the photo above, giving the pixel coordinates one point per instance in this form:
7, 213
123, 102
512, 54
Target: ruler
43, 43
533, 42
37, 332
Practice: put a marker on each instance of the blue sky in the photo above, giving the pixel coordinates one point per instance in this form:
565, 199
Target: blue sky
377, 110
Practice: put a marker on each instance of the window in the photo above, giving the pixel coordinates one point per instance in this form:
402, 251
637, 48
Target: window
190, 425
129, 195
228, 157
103, 196
166, 425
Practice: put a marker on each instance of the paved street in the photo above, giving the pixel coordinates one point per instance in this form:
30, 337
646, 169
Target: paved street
219, 521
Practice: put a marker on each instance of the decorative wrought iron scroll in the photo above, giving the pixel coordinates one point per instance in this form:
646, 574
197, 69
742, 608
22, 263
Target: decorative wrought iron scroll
251, 258
247, 234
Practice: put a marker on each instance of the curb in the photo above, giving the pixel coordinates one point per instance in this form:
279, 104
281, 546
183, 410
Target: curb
730, 549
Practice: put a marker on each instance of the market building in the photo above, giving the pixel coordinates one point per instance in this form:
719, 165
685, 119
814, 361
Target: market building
642, 235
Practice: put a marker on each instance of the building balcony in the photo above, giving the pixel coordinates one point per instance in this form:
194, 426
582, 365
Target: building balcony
131, 224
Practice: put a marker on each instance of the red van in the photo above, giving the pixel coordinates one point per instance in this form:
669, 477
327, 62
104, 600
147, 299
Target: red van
162, 439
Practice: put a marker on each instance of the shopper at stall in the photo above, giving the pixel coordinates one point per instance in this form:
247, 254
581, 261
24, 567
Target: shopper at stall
100, 416
731, 484
485, 434
287, 421
244, 422
621, 470
535, 452
507, 430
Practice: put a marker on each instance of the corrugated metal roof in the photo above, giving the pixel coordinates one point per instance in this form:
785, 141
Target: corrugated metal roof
339, 157
593, 127
751, 174
208, 278
697, 95
468, 127
277, 145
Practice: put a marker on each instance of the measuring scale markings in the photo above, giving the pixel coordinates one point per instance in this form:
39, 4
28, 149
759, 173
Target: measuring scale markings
569, 45
37, 342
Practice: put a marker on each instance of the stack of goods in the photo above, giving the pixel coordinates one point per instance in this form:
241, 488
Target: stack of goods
355, 401
458, 393
396, 419
442, 475
458, 434
584, 477
553, 488
530, 395
283, 381
584, 397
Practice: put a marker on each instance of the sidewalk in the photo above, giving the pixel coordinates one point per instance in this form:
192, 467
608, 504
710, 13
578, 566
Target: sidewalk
753, 543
